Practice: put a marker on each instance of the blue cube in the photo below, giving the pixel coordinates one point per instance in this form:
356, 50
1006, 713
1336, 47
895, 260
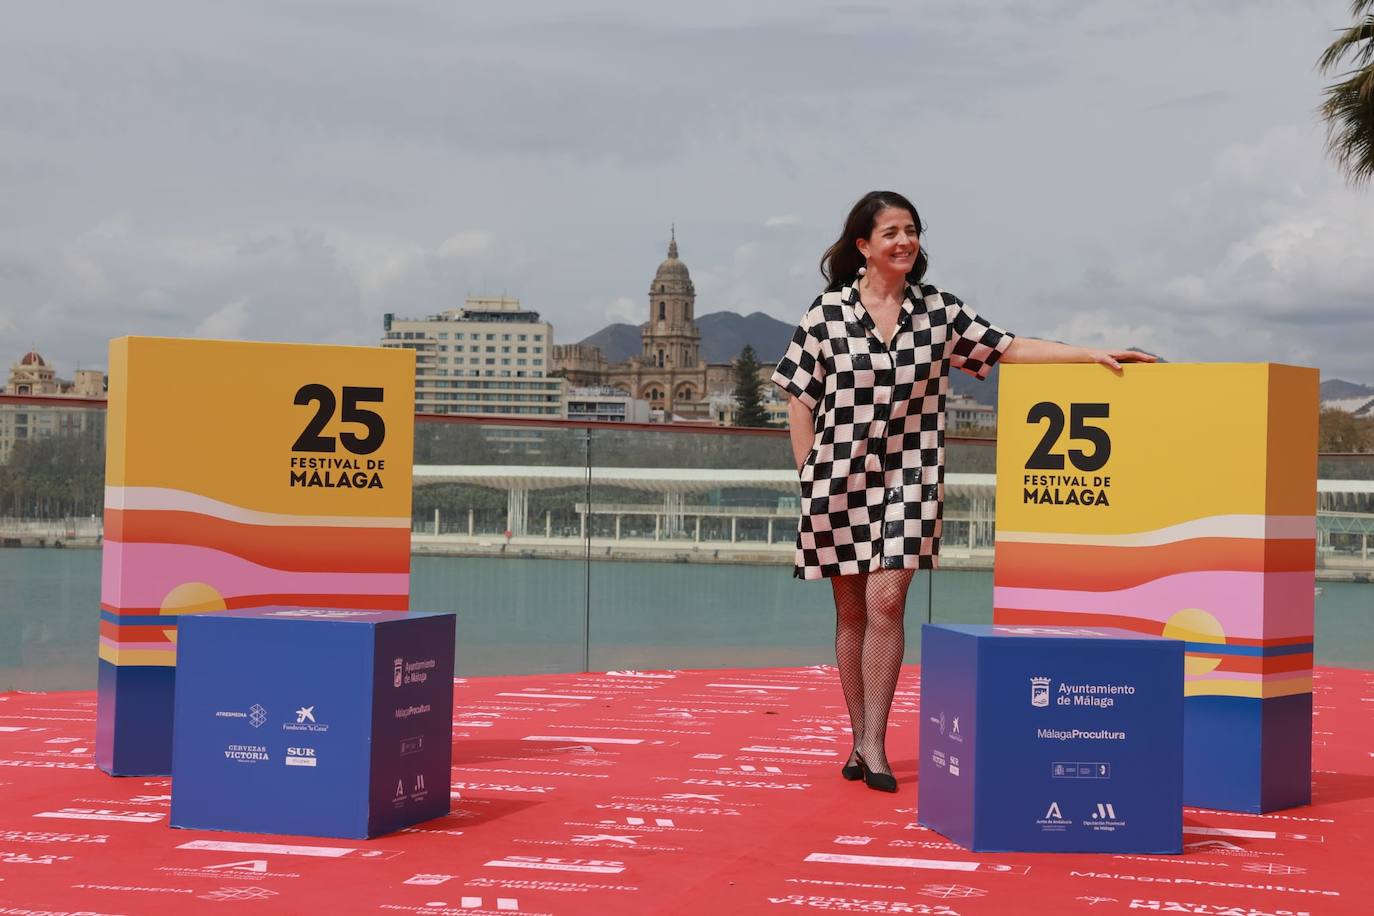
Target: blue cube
1051, 739
328, 723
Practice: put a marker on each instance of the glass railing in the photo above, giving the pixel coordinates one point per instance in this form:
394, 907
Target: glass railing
52, 479
498, 540
614, 546
568, 546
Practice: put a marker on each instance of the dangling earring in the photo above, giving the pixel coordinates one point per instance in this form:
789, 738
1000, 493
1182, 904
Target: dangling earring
863, 268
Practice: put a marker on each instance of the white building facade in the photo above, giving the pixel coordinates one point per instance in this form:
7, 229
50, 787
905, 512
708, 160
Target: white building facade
606, 405
489, 357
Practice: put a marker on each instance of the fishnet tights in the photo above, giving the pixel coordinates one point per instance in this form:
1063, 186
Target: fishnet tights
870, 639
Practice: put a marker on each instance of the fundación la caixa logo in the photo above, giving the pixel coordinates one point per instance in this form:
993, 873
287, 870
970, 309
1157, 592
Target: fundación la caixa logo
1040, 691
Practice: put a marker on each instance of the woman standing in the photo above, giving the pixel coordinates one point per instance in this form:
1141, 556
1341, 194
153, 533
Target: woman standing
866, 373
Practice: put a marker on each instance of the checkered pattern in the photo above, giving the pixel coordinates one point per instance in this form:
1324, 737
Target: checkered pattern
873, 486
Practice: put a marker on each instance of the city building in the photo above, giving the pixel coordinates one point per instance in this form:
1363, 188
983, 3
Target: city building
32, 375
489, 357
963, 412
607, 405
774, 403
582, 365
669, 373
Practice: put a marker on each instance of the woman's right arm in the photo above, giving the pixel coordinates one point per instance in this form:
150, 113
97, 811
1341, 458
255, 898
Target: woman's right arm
801, 373
802, 430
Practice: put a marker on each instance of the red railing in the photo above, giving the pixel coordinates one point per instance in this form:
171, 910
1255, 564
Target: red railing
42, 400
482, 419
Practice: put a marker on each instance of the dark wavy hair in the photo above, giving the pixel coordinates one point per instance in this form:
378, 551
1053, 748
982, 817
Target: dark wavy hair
841, 262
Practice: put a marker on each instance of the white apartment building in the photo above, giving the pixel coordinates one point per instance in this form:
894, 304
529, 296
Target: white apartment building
607, 405
963, 412
488, 357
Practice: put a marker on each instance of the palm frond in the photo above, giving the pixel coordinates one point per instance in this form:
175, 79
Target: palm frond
1349, 103
1359, 39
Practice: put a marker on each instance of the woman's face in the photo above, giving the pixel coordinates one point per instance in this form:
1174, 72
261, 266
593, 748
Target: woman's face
893, 244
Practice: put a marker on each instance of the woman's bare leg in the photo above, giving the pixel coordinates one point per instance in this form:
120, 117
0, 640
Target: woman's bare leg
884, 643
850, 620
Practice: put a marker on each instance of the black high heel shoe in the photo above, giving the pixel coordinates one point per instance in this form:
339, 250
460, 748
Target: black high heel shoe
881, 782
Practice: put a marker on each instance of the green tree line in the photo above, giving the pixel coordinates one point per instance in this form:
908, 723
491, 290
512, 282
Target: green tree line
1338, 431
55, 476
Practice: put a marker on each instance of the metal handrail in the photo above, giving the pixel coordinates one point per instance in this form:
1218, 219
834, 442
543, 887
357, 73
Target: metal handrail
481, 419
686, 428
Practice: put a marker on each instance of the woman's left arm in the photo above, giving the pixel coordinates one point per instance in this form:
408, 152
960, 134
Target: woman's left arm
1034, 350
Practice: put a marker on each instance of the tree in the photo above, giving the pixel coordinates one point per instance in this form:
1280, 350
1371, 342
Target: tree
55, 476
749, 390
1338, 431
1349, 105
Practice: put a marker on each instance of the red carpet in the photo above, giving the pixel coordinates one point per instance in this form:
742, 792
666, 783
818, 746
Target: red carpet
632, 792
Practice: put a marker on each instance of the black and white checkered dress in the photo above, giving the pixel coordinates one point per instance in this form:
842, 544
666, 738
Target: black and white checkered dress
873, 486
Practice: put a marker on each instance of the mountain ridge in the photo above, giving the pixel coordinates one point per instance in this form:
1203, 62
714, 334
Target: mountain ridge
1338, 389
724, 334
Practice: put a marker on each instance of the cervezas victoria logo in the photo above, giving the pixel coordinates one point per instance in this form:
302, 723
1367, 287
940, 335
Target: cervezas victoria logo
1040, 691
247, 753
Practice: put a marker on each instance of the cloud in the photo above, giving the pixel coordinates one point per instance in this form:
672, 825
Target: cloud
1268, 263
1191, 100
1305, 264
337, 161
228, 322
278, 285
1298, 267
470, 244
625, 309
1107, 328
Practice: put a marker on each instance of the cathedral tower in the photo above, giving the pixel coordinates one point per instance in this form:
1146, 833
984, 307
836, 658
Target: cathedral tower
671, 339
670, 372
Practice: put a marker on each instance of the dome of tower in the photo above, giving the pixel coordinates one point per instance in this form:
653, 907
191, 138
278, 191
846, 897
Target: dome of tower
32, 358
672, 273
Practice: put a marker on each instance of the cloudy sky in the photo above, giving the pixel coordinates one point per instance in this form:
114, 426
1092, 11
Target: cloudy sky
1107, 173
